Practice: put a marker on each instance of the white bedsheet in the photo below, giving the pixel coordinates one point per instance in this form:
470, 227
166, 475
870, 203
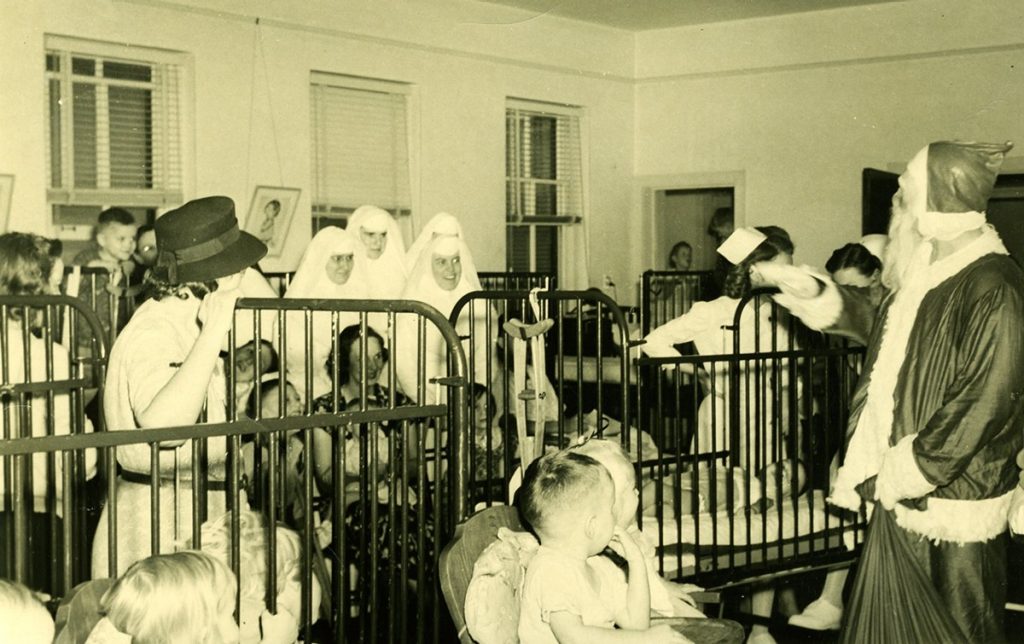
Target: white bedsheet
802, 517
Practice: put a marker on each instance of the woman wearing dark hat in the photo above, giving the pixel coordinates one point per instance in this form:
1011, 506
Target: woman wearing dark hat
165, 366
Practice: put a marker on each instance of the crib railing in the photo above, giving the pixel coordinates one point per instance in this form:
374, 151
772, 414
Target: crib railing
372, 596
392, 507
748, 439
585, 386
46, 383
665, 295
304, 334
512, 281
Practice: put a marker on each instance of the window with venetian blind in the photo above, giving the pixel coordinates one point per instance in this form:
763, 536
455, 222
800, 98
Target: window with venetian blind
114, 128
360, 146
543, 183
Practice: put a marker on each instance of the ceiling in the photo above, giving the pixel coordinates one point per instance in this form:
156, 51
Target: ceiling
640, 15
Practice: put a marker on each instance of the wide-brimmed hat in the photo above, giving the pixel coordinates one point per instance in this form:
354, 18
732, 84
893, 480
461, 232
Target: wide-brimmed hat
200, 241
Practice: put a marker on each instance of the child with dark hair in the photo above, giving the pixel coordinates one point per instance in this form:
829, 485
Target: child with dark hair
680, 258
250, 366
144, 258
568, 500
111, 249
488, 449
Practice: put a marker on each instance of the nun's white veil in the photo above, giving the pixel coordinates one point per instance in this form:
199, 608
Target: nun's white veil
423, 287
385, 275
311, 281
440, 225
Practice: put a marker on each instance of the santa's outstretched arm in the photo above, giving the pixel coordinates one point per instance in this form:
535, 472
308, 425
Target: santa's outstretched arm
819, 302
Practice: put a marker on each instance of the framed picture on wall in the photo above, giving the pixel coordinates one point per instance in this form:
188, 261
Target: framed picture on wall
6, 190
270, 216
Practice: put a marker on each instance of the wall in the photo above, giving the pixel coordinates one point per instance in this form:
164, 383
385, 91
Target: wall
800, 104
249, 100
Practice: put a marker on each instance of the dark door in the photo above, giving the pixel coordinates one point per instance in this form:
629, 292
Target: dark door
877, 189
1006, 213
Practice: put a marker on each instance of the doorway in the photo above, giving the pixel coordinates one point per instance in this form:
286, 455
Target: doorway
683, 215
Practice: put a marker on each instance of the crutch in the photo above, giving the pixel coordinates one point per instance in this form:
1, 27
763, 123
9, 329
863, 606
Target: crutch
521, 334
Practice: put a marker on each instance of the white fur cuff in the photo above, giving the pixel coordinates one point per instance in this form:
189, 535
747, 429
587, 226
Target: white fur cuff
818, 312
957, 520
899, 477
1016, 511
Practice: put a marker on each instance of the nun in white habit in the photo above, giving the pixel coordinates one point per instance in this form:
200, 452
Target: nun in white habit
443, 273
440, 225
383, 251
331, 268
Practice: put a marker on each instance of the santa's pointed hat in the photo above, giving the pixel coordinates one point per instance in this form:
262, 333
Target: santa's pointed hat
947, 185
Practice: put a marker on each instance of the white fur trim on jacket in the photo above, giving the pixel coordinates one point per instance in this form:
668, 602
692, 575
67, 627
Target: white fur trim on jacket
899, 477
870, 439
818, 312
957, 520
1016, 511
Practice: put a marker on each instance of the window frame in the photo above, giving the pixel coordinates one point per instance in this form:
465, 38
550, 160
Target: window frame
168, 121
533, 222
326, 214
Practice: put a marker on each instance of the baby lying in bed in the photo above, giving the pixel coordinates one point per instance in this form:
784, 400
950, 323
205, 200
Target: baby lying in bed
712, 491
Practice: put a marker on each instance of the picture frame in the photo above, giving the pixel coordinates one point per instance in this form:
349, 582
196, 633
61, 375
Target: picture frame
6, 192
270, 216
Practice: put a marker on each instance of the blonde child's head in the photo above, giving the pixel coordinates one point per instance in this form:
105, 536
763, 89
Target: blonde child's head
568, 497
23, 618
610, 454
252, 547
183, 597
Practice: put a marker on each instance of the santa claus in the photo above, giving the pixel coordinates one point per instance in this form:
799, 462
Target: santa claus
937, 417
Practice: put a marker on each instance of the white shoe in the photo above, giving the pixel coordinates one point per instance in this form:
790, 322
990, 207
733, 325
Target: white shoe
820, 615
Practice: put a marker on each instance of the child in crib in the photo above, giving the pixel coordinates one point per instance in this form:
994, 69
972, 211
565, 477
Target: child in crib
186, 596
23, 618
668, 599
568, 499
252, 537
711, 492
245, 369
268, 405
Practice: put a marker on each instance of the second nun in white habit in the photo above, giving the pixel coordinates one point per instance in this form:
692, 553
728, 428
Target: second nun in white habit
383, 250
443, 273
331, 268
440, 225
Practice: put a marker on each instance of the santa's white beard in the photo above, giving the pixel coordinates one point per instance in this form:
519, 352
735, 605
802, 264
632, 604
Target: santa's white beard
906, 253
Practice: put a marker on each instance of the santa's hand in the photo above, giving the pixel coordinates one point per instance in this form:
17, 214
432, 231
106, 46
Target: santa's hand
885, 483
795, 281
1016, 513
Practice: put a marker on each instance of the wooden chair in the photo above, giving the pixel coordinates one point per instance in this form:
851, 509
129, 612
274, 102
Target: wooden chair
458, 557
79, 611
481, 529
